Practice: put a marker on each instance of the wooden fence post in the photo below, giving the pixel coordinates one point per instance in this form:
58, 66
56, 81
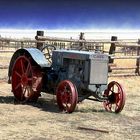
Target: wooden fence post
112, 48
112, 51
39, 45
81, 37
22, 45
138, 59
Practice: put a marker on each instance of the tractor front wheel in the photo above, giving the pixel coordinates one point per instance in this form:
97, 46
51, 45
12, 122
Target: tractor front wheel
116, 97
67, 96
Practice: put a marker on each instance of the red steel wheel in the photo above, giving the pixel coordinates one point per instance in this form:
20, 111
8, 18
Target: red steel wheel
26, 80
67, 96
116, 97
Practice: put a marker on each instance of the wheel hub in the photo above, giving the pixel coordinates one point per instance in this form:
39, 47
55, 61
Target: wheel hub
112, 98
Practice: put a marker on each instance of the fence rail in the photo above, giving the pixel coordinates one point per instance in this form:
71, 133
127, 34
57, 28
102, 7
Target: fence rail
4, 66
106, 41
6, 51
88, 45
125, 57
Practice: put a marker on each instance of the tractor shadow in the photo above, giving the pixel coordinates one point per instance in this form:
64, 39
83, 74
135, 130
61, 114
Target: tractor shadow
6, 100
90, 110
44, 104
47, 104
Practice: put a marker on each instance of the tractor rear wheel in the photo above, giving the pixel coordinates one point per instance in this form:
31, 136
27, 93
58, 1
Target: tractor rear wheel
26, 80
67, 96
116, 97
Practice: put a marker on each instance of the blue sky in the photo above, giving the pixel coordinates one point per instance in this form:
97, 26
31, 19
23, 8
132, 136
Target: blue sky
70, 14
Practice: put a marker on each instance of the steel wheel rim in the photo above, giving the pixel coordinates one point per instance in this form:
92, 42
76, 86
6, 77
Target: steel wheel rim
116, 97
66, 96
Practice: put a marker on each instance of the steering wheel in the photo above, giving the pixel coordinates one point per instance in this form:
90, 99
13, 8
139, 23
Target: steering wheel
47, 51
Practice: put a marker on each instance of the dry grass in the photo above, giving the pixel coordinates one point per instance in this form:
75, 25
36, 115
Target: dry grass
43, 120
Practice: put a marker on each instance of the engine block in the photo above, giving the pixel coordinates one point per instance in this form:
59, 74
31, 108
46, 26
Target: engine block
87, 69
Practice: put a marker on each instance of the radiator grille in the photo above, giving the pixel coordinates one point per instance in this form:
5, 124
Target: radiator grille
98, 72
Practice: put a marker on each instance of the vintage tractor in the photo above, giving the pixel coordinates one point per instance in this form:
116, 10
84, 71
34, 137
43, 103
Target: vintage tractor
72, 75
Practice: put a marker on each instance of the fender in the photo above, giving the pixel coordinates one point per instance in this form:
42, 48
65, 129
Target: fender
34, 53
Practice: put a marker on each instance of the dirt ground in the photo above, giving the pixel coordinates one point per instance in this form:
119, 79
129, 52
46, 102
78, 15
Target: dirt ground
43, 120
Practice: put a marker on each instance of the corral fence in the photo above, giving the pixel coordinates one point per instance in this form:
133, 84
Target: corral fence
128, 49
117, 49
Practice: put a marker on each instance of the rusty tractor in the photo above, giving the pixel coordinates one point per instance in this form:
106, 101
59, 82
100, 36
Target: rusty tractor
72, 75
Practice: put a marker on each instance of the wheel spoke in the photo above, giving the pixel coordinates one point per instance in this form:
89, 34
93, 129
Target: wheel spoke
29, 91
23, 92
22, 67
18, 85
117, 106
112, 91
45, 53
113, 88
107, 102
110, 106
116, 97
63, 98
27, 70
67, 107
119, 90
17, 74
70, 98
